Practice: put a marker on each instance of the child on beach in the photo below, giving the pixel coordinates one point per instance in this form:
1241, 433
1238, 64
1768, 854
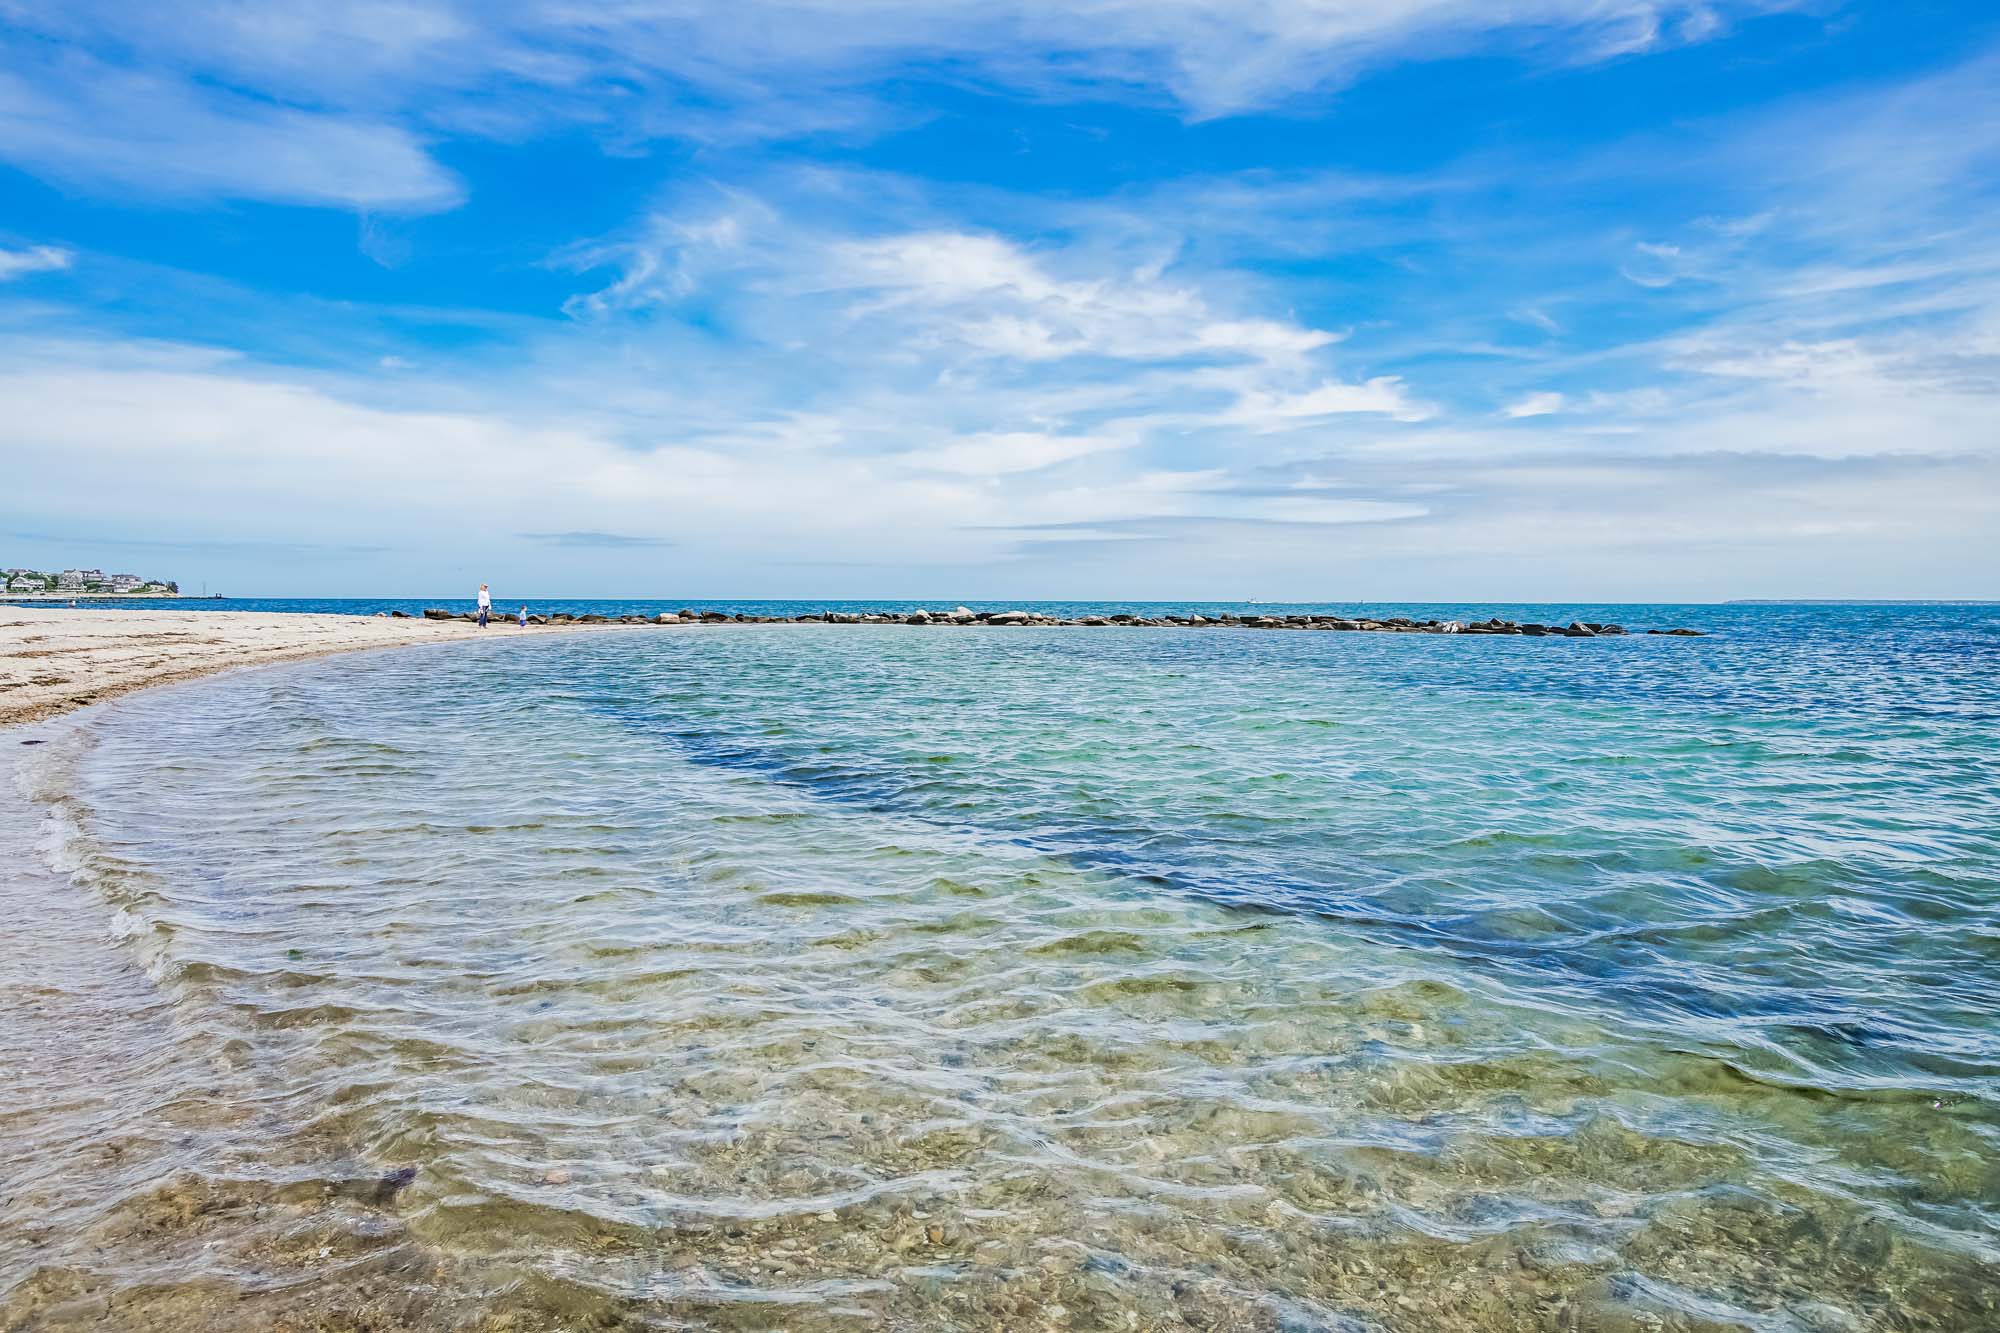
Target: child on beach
524, 617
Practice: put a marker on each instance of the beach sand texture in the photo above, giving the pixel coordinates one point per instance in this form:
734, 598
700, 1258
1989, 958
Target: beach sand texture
54, 660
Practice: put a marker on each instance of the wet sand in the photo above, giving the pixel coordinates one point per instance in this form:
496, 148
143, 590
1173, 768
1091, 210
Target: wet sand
83, 1166
54, 660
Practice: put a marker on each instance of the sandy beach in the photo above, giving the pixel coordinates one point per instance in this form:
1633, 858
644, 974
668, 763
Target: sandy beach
53, 661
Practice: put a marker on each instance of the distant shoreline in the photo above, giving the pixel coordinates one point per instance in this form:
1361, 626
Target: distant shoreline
195, 599
32, 598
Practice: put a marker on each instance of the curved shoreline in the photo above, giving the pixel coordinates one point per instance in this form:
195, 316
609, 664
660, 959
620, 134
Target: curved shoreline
56, 662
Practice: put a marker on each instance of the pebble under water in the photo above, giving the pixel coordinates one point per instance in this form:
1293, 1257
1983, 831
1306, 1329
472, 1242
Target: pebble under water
836, 977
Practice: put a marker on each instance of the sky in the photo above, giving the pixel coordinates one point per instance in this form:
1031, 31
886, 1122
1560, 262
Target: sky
1323, 300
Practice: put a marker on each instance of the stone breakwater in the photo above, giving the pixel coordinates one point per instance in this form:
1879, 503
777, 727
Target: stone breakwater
964, 617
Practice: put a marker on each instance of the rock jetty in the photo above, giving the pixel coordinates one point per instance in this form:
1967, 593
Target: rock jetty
965, 618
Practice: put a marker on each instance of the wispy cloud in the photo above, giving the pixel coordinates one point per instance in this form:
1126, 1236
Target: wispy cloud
83, 121
1006, 452
1765, 340
35, 259
1534, 405
332, 103
964, 354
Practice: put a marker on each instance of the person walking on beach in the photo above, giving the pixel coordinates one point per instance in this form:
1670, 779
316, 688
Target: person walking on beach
524, 616
485, 604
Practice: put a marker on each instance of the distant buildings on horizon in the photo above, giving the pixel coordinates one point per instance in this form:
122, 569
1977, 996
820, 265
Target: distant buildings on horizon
81, 582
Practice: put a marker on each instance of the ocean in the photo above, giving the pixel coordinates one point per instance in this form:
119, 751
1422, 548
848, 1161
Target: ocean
857, 977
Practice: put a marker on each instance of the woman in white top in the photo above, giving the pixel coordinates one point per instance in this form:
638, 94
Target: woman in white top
485, 604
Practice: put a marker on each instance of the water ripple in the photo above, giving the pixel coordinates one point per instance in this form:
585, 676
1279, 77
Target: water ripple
844, 978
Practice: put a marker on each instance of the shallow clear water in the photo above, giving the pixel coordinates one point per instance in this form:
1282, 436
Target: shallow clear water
849, 977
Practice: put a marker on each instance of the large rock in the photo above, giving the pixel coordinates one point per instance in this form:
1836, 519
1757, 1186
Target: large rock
438, 613
1008, 618
666, 618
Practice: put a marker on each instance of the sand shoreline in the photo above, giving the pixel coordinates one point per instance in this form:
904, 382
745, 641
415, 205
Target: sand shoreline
57, 661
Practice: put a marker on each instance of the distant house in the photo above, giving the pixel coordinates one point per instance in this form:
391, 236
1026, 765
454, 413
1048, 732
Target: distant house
125, 582
69, 580
24, 585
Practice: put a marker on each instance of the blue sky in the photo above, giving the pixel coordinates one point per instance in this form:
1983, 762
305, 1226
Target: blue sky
1295, 299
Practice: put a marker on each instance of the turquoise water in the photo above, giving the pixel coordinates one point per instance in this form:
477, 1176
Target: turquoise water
858, 977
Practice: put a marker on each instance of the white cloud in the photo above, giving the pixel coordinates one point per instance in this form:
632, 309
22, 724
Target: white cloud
1385, 395
1321, 509
1539, 318
1657, 266
80, 120
1752, 485
1211, 55
996, 297
226, 437
34, 259
1051, 377
332, 103
1004, 453
1534, 405
851, 370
